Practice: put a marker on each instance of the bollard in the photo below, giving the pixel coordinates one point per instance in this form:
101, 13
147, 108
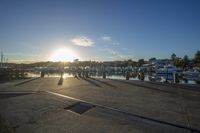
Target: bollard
139, 75
62, 73
175, 77
42, 74
104, 75
142, 76
79, 74
87, 74
127, 75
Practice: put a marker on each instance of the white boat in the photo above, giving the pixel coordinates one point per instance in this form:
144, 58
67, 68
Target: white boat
190, 75
170, 69
166, 73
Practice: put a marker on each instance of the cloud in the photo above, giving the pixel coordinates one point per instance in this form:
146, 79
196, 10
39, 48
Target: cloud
82, 41
110, 51
115, 43
116, 54
110, 40
106, 38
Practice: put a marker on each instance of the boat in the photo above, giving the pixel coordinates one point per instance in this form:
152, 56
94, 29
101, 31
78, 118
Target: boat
166, 72
169, 69
190, 75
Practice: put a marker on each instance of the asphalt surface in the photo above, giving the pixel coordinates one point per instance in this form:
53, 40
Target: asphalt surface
99, 105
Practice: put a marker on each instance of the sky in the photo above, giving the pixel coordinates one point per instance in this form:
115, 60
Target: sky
100, 30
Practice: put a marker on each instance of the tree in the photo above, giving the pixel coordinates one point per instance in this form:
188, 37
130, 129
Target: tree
140, 62
173, 57
178, 62
197, 58
185, 58
186, 61
134, 63
129, 62
152, 59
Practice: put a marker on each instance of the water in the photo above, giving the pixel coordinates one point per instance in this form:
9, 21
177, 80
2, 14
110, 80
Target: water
162, 78
121, 77
33, 75
124, 78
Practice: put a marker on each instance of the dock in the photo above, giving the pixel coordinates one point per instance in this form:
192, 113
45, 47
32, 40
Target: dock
94, 105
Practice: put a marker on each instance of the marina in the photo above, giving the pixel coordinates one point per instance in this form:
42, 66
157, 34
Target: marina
99, 66
159, 75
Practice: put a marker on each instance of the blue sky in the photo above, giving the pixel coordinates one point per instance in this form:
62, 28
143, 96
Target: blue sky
31, 30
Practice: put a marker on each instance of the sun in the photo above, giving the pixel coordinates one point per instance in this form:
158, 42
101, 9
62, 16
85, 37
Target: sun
63, 54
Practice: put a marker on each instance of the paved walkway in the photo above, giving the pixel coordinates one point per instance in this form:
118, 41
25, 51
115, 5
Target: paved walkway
99, 105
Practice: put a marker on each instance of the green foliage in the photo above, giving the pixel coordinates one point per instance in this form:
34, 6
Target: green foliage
186, 61
173, 57
197, 58
140, 62
152, 59
178, 62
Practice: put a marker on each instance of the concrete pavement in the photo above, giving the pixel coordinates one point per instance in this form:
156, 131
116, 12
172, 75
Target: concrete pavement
120, 106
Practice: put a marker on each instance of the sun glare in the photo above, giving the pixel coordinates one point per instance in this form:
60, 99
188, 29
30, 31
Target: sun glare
63, 54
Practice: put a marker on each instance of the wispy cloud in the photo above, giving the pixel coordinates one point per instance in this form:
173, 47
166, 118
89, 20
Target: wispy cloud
110, 51
82, 41
110, 40
106, 38
115, 43
116, 55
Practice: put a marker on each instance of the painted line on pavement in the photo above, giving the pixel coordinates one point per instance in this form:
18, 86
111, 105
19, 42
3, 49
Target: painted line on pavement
128, 113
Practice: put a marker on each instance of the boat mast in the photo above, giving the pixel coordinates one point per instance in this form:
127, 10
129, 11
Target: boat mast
1, 59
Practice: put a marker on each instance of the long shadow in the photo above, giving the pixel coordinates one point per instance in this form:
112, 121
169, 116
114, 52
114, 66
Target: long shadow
21, 83
60, 82
180, 86
76, 77
10, 94
144, 86
91, 82
104, 82
192, 130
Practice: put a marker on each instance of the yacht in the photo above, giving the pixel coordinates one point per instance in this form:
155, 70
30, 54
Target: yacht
191, 75
166, 72
169, 69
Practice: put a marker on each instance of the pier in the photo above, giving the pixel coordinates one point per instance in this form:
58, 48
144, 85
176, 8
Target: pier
99, 105
7, 74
